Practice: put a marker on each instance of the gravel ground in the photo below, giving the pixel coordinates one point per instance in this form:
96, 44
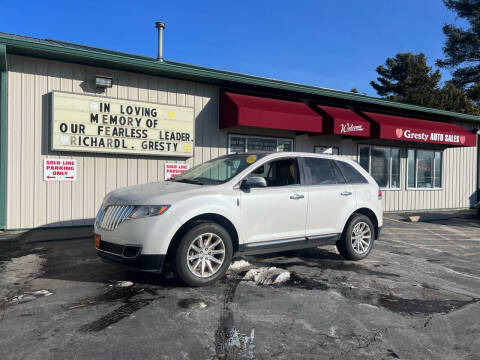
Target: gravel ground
417, 296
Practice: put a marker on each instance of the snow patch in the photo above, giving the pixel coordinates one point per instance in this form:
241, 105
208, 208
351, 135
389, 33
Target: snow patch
18, 271
240, 264
123, 284
267, 276
29, 296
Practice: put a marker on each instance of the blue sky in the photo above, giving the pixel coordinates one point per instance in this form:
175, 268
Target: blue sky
334, 44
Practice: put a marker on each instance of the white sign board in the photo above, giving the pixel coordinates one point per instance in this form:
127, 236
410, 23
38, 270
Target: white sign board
173, 169
89, 123
59, 169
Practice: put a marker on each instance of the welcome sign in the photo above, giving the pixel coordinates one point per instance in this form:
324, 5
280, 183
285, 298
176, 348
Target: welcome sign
88, 123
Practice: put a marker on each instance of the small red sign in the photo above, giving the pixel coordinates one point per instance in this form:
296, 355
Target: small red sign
59, 169
173, 169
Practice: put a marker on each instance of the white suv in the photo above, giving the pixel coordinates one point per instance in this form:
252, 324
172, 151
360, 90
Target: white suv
240, 204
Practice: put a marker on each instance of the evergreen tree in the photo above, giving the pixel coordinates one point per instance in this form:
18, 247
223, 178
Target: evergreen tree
462, 47
407, 78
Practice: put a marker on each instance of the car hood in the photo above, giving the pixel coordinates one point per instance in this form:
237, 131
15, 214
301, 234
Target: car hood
148, 194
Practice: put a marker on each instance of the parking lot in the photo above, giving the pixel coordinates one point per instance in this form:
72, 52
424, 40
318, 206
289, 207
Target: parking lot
415, 297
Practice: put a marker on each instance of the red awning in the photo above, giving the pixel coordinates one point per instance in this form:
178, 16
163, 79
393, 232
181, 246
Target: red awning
245, 110
344, 122
410, 129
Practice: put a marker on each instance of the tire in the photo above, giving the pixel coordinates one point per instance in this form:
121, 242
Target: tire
193, 263
349, 247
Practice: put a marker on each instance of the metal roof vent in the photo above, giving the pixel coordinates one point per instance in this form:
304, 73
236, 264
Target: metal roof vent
160, 26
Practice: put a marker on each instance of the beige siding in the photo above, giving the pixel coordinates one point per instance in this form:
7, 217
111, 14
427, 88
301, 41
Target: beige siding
459, 174
32, 202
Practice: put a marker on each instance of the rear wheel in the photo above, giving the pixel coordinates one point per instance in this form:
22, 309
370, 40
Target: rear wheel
203, 255
356, 241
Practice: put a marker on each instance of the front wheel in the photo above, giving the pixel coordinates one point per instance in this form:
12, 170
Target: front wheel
203, 255
356, 241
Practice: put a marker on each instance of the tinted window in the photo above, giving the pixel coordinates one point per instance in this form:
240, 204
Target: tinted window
322, 171
351, 174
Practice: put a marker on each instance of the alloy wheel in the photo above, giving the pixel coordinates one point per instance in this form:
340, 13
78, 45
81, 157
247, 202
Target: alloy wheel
361, 237
205, 255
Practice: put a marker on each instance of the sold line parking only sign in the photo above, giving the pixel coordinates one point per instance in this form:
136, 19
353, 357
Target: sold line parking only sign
59, 170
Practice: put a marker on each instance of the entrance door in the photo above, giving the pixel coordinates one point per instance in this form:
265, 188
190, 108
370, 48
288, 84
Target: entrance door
279, 210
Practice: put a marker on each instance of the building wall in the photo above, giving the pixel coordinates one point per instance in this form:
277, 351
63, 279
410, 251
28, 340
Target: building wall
32, 202
459, 173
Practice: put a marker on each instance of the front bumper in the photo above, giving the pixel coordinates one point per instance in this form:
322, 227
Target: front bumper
130, 257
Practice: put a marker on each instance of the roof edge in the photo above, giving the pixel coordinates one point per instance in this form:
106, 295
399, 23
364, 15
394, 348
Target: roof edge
128, 62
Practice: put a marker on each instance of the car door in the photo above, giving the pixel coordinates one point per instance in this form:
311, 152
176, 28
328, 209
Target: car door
278, 211
330, 197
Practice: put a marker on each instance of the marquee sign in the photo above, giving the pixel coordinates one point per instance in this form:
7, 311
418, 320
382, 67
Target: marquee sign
88, 123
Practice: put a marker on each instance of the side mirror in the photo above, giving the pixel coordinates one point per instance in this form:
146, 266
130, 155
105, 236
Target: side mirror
254, 182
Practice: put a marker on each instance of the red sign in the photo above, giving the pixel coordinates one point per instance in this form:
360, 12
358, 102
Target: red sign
59, 169
344, 122
173, 169
419, 130
432, 137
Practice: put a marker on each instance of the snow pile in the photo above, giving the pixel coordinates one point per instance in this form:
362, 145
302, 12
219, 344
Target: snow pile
29, 296
123, 283
267, 276
238, 265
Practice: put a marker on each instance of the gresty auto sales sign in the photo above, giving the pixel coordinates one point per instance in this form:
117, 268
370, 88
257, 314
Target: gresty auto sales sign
430, 137
418, 130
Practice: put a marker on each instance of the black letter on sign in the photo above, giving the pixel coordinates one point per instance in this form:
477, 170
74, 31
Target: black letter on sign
63, 127
94, 118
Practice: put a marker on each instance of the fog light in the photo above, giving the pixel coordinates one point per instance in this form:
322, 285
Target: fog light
96, 240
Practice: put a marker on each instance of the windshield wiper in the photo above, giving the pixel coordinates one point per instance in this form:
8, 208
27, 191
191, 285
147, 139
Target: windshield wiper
189, 181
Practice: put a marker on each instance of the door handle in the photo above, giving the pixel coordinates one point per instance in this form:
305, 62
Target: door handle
296, 197
346, 193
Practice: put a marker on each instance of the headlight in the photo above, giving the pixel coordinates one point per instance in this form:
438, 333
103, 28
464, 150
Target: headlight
148, 210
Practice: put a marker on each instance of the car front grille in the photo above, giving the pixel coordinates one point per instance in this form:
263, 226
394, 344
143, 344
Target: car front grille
109, 217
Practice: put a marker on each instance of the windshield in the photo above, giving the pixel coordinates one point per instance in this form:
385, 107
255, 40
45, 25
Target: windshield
219, 170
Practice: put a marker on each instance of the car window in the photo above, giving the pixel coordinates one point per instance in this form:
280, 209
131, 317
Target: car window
352, 175
322, 171
278, 172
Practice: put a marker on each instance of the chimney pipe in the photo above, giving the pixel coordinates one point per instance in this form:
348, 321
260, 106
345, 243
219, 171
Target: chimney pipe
160, 26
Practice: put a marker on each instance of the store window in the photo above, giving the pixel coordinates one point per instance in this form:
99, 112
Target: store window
424, 169
329, 150
243, 143
383, 163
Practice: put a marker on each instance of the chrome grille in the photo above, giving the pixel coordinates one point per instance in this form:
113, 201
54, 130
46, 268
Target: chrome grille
109, 217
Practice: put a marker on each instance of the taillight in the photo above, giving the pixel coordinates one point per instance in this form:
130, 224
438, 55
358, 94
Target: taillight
379, 194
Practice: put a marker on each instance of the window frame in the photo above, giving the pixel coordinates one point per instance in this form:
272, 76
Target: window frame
291, 140
399, 188
295, 159
416, 188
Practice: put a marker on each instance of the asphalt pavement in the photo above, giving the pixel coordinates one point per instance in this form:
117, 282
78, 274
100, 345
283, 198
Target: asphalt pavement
417, 296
